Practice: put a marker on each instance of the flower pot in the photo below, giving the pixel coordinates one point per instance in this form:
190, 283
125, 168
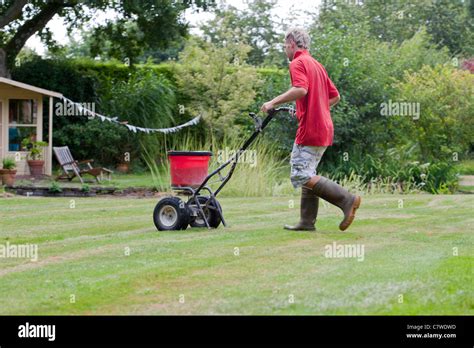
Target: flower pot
123, 167
36, 167
8, 176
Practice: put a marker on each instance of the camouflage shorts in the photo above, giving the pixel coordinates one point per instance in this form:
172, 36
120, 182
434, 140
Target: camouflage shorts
304, 161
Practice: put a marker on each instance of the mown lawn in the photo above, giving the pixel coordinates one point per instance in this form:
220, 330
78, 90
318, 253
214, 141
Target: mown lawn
105, 254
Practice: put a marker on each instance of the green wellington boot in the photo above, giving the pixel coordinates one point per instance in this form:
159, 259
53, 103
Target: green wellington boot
337, 195
308, 211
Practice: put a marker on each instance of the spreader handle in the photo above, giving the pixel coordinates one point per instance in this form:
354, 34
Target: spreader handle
283, 108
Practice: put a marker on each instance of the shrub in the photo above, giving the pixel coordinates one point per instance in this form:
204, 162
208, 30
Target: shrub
364, 71
445, 125
145, 100
399, 167
8, 163
55, 188
93, 140
85, 188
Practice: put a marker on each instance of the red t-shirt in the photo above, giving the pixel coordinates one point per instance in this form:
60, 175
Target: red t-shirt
315, 126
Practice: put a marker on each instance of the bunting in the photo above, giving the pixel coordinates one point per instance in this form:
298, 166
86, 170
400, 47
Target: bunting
130, 127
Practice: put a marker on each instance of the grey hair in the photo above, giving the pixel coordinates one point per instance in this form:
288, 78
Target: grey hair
299, 36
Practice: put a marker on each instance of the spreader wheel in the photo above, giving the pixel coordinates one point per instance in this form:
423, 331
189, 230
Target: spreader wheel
171, 214
212, 215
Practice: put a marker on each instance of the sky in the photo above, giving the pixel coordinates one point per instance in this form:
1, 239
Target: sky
283, 7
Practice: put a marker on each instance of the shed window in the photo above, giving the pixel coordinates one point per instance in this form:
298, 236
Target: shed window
22, 122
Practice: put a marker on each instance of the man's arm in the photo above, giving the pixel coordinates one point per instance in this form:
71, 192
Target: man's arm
334, 101
294, 93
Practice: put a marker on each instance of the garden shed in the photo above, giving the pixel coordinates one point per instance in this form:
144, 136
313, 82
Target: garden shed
21, 116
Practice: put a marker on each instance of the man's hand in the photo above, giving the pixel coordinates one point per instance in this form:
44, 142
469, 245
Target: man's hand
267, 106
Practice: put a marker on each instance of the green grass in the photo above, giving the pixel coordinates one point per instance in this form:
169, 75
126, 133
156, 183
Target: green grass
136, 180
466, 189
119, 181
466, 167
82, 252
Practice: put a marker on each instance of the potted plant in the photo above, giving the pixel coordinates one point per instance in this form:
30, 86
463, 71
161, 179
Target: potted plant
8, 172
35, 162
123, 167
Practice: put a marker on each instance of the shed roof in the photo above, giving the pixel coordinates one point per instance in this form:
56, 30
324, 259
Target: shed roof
30, 87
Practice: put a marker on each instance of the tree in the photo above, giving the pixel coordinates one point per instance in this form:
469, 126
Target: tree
449, 22
256, 26
139, 24
87, 46
217, 82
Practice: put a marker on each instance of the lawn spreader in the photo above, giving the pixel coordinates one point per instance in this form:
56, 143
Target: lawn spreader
189, 177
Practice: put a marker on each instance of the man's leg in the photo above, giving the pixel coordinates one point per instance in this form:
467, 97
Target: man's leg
304, 161
337, 195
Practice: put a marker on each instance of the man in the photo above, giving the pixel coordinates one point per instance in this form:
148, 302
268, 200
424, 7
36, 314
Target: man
314, 94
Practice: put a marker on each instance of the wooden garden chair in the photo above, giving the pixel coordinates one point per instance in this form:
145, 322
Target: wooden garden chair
72, 168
